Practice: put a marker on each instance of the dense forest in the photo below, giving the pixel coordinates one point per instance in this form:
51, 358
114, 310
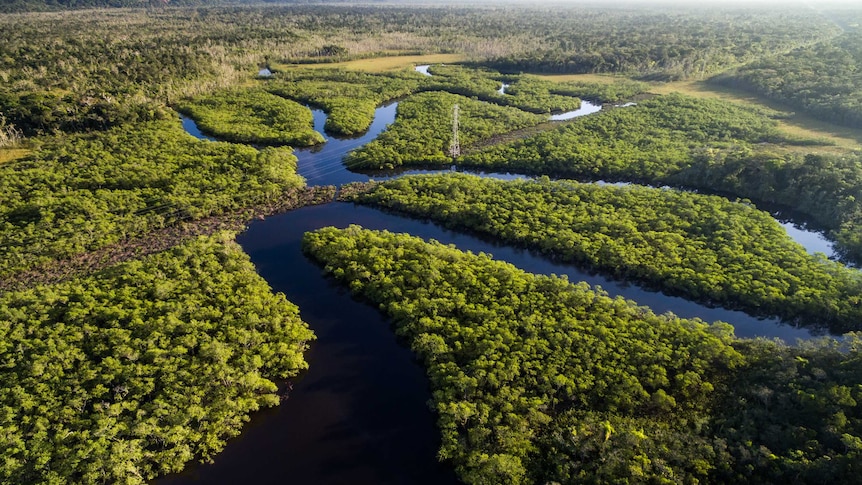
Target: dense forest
673, 139
825, 187
663, 46
697, 143
824, 79
349, 98
83, 192
539, 380
523, 92
649, 141
422, 134
254, 117
54, 5
704, 247
127, 59
122, 372
645, 142
130, 373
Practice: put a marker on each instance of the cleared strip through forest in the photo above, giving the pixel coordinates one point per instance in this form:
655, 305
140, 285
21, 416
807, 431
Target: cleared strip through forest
163, 239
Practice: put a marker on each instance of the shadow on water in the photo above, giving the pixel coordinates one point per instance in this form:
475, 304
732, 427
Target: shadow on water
322, 165
359, 414
341, 215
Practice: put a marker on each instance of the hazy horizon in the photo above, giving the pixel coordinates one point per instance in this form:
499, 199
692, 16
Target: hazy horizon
816, 4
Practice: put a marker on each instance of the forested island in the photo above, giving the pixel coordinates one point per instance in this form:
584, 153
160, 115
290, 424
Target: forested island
704, 247
538, 380
145, 319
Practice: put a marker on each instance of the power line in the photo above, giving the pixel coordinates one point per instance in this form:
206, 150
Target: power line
455, 147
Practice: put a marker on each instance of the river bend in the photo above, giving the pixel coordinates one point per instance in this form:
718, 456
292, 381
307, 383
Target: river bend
359, 414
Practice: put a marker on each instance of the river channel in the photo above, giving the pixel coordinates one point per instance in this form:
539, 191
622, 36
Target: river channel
359, 415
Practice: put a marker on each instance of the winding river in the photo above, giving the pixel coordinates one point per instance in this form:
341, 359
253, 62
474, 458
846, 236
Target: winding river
359, 414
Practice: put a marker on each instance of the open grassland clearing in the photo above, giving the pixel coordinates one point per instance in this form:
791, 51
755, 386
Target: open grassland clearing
380, 64
796, 124
9, 154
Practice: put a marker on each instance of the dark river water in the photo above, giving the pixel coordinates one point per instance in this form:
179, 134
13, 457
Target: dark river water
359, 415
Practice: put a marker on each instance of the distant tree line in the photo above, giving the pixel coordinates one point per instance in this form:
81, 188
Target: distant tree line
663, 46
824, 80
53, 5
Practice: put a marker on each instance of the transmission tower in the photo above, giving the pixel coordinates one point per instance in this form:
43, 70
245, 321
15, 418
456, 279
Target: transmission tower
455, 147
